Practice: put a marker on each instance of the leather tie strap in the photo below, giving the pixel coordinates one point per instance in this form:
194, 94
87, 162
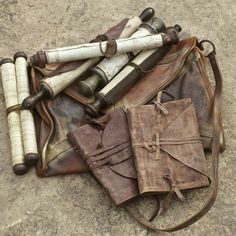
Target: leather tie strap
159, 104
100, 37
174, 189
10, 109
104, 155
155, 146
139, 70
111, 48
100, 123
215, 160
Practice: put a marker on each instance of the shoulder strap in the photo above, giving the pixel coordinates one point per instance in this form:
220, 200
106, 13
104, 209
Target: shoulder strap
215, 154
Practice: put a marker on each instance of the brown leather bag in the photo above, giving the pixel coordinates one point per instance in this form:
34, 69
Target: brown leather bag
167, 146
106, 147
216, 145
57, 117
208, 112
182, 73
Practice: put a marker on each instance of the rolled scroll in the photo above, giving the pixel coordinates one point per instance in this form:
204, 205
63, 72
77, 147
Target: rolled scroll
26, 117
123, 81
51, 86
106, 48
124, 29
13, 116
103, 73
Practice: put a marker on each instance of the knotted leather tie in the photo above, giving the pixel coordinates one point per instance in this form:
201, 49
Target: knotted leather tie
215, 160
174, 189
17, 107
155, 146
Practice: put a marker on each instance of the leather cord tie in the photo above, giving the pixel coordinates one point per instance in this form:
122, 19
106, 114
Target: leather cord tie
217, 130
104, 155
150, 147
158, 103
174, 189
100, 37
155, 146
139, 70
17, 107
161, 107
111, 48
100, 124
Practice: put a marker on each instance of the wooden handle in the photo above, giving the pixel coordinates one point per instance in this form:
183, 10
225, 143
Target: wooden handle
31, 101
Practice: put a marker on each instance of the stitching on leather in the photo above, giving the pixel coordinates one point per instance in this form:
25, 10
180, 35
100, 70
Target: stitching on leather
56, 150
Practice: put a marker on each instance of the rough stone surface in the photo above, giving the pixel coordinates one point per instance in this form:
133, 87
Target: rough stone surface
76, 204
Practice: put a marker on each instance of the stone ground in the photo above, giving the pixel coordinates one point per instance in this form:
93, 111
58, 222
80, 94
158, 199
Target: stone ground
76, 205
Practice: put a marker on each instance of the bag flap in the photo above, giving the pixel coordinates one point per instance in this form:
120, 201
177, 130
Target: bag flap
115, 152
163, 74
185, 127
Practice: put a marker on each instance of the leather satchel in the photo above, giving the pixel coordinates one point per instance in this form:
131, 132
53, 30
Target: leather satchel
106, 147
58, 116
216, 146
181, 72
169, 155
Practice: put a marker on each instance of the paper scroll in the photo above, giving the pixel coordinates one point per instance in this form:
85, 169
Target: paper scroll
27, 120
108, 68
112, 66
125, 79
56, 84
10, 92
91, 50
117, 80
51, 86
131, 26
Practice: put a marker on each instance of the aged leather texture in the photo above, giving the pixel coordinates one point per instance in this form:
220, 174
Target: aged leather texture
167, 146
106, 147
55, 118
182, 72
59, 116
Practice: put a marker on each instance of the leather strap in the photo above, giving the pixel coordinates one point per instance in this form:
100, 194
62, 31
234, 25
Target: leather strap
10, 109
111, 48
215, 159
17, 107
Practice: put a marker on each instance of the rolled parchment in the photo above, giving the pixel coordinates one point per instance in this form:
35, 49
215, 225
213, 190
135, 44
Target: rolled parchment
13, 116
127, 77
51, 86
99, 49
122, 30
26, 117
103, 72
